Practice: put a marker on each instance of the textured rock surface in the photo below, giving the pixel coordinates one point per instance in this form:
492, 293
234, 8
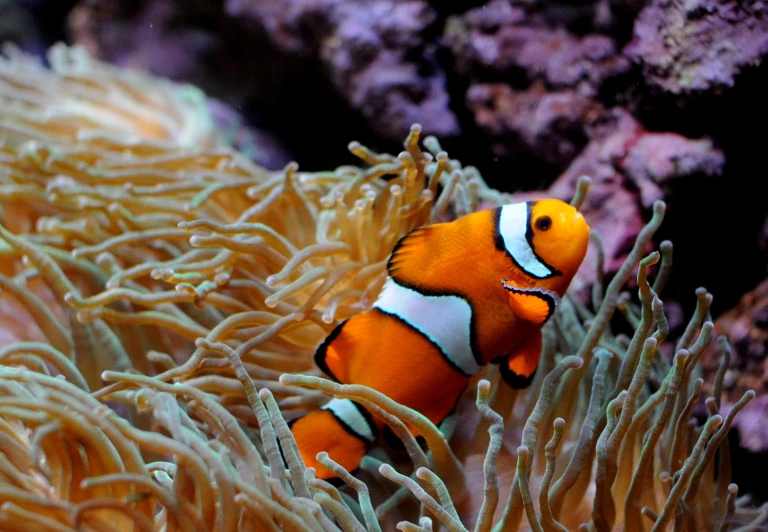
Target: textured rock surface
551, 125
534, 84
698, 45
653, 160
374, 53
506, 40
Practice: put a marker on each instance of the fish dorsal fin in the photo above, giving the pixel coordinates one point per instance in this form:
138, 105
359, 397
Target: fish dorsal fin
535, 305
414, 251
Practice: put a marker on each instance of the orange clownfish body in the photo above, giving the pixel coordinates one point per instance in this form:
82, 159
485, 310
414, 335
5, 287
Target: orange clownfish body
459, 295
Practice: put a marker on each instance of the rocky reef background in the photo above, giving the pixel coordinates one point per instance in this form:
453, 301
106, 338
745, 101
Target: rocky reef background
652, 99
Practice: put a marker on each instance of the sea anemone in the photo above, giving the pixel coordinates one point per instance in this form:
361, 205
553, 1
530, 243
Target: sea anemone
162, 297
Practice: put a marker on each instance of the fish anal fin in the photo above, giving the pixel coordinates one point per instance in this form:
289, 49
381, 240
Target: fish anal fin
321, 431
534, 305
519, 367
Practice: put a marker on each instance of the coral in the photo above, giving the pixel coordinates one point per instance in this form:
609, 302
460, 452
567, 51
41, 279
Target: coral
372, 52
547, 103
546, 123
502, 38
699, 45
167, 295
657, 158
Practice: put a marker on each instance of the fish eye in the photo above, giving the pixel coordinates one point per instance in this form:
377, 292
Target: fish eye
544, 223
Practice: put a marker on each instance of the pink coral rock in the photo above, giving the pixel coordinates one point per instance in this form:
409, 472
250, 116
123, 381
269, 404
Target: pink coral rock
698, 45
373, 52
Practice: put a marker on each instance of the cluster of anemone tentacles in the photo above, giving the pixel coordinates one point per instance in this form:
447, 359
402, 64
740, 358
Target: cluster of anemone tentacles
162, 296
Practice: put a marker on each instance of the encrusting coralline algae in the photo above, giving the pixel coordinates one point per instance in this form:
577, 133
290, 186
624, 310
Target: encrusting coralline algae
162, 298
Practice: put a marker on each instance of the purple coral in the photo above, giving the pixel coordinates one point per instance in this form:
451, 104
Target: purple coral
698, 45
551, 124
373, 52
504, 39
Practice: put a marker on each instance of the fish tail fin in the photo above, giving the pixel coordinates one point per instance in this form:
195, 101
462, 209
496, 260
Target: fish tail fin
342, 428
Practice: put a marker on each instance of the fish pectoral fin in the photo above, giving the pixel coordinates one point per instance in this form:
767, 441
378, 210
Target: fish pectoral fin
519, 367
414, 249
535, 305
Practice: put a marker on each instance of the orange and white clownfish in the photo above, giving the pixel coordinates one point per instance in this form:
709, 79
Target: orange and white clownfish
459, 295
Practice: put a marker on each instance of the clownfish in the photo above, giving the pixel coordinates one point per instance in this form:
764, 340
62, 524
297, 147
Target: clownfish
458, 295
